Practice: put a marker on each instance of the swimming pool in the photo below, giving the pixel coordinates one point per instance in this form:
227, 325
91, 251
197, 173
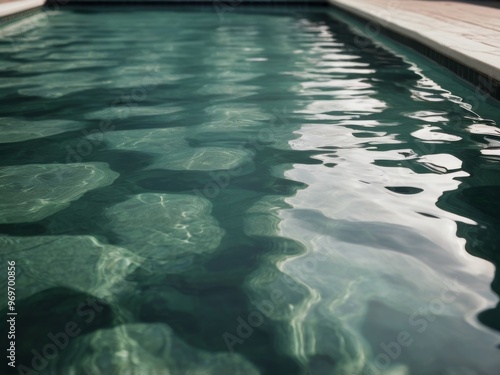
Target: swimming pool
257, 192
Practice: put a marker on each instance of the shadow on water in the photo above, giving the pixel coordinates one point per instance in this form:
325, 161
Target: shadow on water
480, 203
199, 305
48, 320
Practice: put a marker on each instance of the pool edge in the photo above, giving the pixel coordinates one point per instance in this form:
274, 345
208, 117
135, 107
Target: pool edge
484, 77
15, 10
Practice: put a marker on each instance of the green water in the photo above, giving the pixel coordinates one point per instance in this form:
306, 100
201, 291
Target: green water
249, 192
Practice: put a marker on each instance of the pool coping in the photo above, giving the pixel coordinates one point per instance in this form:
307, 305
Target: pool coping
14, 10
485, 76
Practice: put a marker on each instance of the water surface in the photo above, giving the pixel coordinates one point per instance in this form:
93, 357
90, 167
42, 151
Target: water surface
257, 192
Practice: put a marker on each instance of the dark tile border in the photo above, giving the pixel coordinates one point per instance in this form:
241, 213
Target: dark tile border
489, 86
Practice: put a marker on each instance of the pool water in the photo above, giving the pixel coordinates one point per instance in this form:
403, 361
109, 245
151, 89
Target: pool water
243, 192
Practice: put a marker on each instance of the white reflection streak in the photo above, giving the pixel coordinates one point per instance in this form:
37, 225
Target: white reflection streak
339, 195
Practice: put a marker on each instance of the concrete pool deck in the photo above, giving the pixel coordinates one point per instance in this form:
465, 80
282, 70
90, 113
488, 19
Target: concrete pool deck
463, 36
11, 9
